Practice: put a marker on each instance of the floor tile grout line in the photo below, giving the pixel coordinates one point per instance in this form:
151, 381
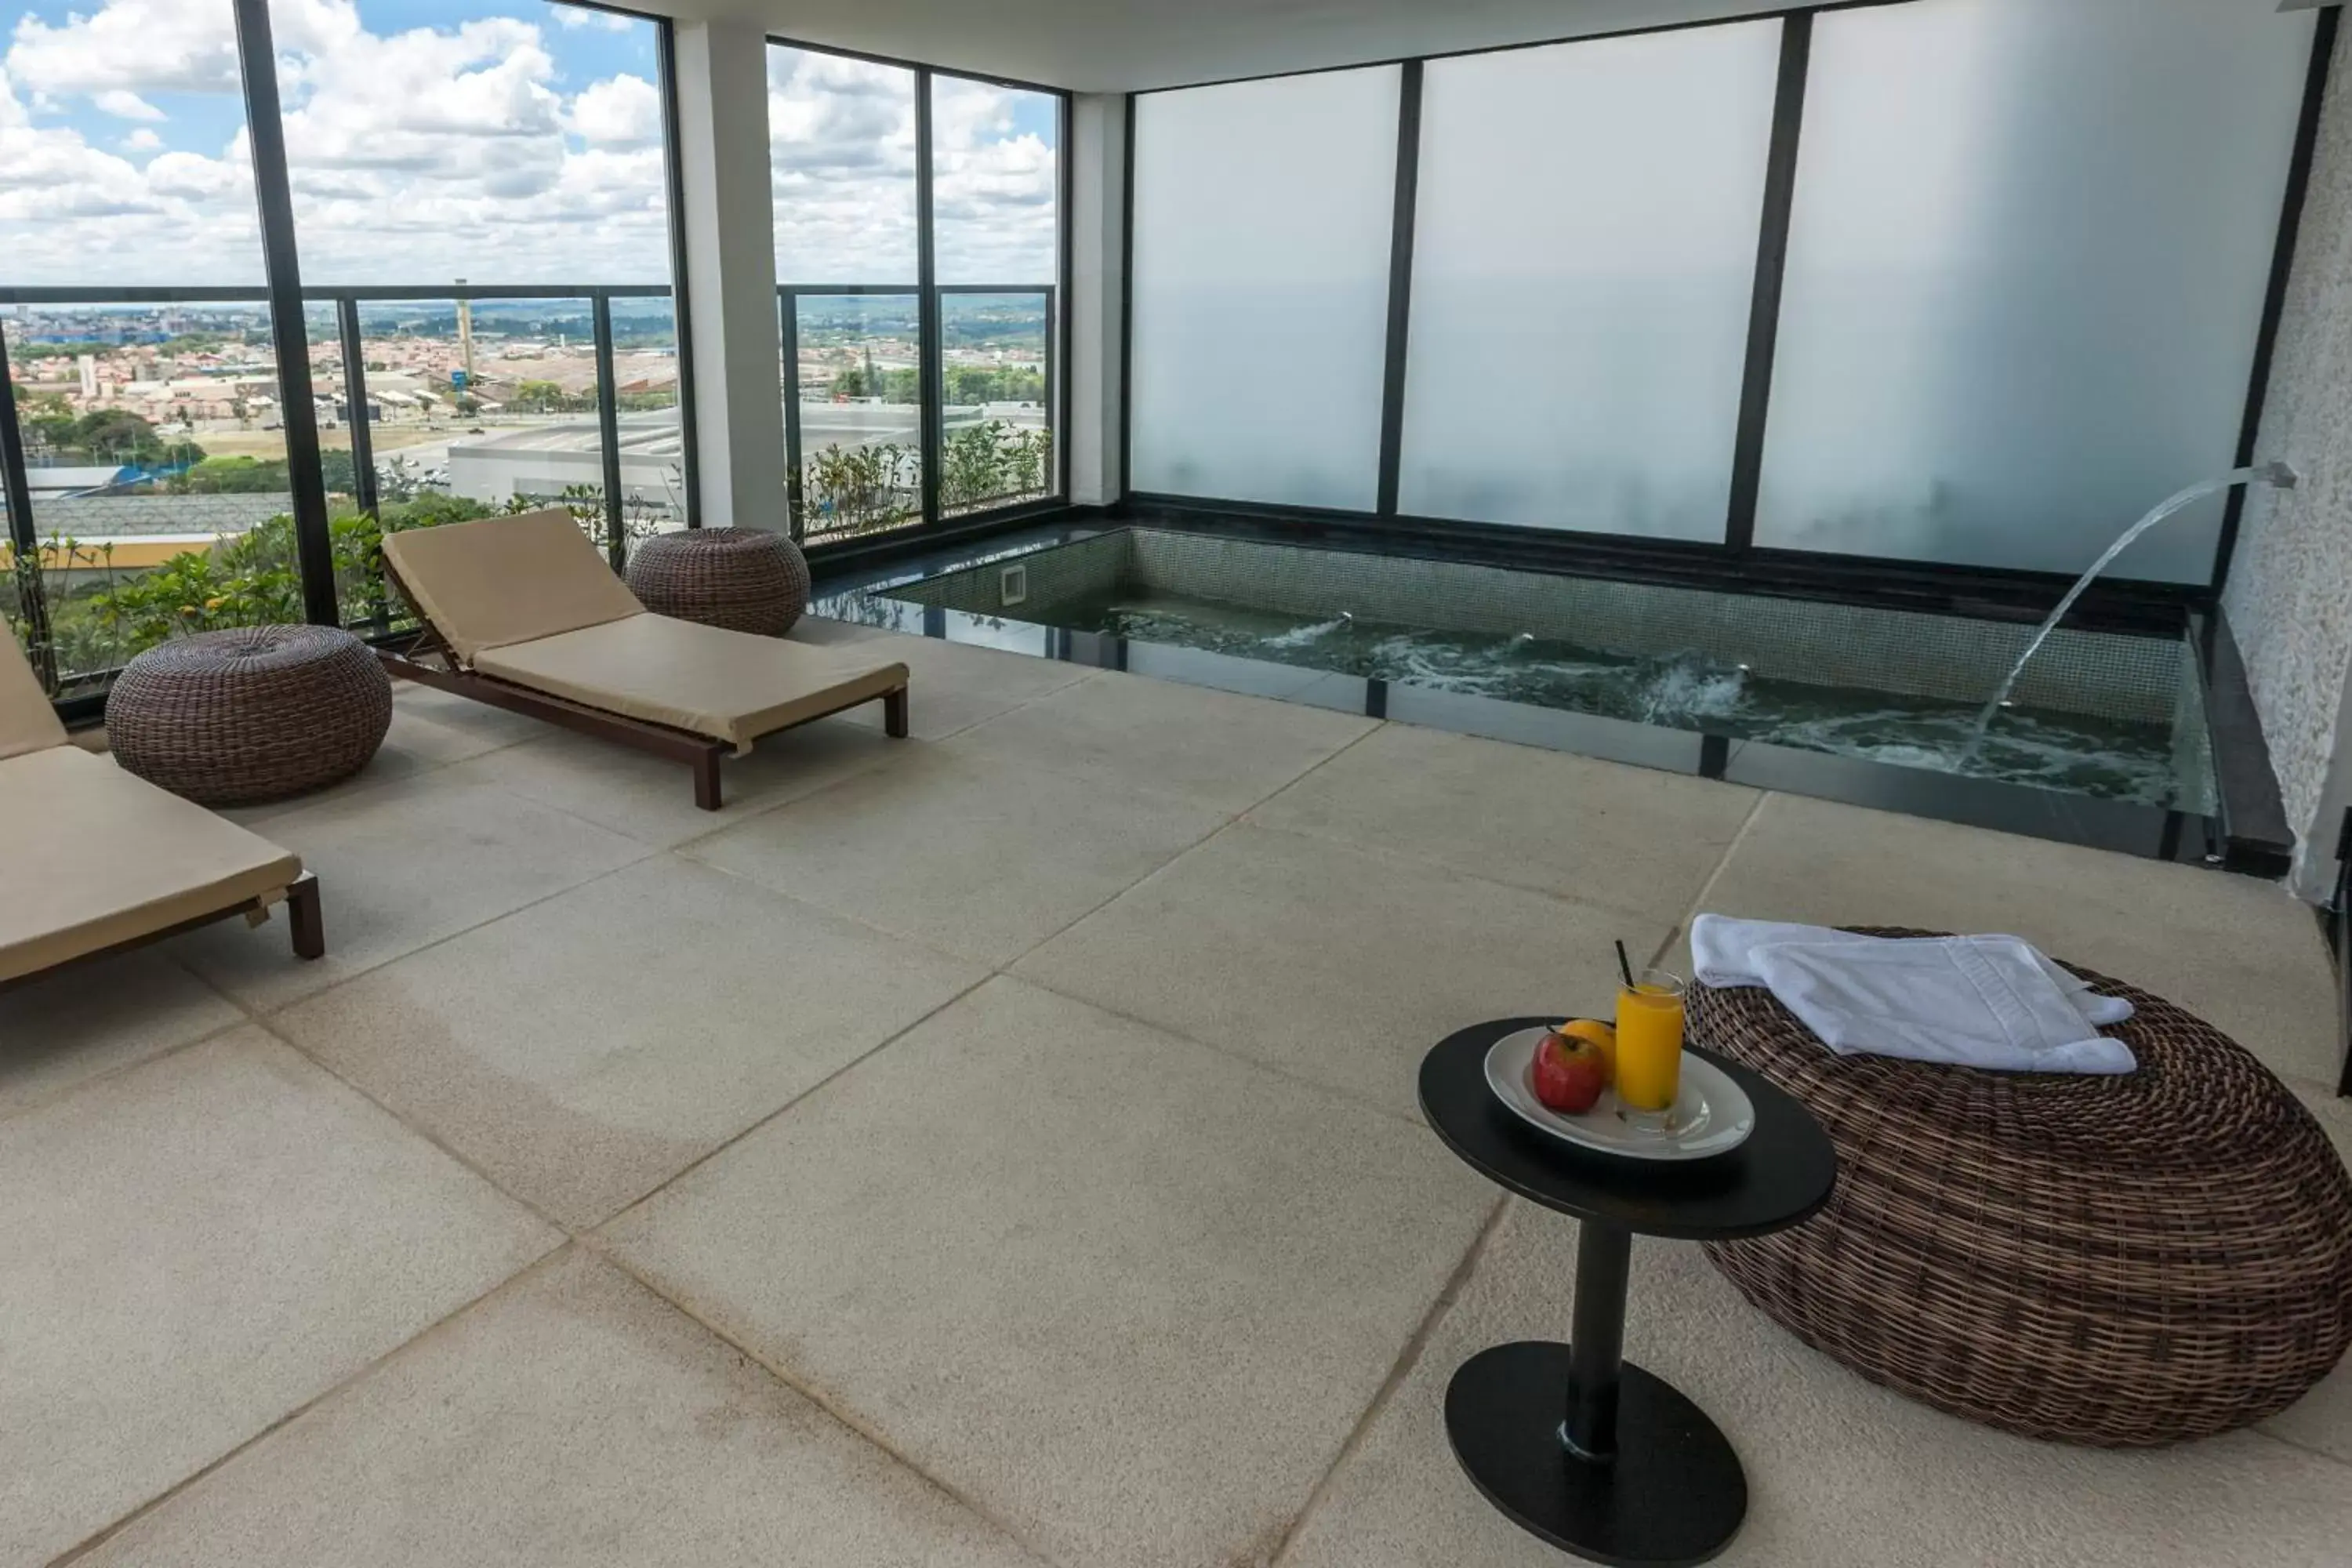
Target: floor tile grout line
1005, 967
66, 1092
833, 1408
1232, 1053
1395, 856
464, 1160
827, 912
1707, 888
96, 1538
812, 1090
1081, 678
2300, 1446
264, 1015
1408, 1360
1329, 1092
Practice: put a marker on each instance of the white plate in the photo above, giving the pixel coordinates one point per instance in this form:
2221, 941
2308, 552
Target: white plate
1711, 1113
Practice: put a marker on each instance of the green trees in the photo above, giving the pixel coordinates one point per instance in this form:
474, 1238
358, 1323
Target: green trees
549, 397
862, 489
994, 462
960, 384
867, 490
995, 383
102, 436
80, 615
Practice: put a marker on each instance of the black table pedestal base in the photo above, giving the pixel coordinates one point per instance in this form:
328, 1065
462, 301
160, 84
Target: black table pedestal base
1673, 1494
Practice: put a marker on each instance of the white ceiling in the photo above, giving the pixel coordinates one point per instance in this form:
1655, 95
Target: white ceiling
1112, 45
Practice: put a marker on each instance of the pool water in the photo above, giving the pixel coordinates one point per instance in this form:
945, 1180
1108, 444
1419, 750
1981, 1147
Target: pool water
2081, 753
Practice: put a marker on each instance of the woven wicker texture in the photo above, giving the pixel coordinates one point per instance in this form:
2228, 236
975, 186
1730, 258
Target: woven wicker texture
253, 714
744, 579
2115, 1261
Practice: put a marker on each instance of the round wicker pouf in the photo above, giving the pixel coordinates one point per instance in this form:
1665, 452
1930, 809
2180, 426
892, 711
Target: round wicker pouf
2116, 1261
253, 714
745, 579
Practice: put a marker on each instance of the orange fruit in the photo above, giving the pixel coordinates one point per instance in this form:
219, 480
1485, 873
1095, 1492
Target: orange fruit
1602, 1036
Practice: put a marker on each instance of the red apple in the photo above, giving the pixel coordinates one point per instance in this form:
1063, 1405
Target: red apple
1569, 1074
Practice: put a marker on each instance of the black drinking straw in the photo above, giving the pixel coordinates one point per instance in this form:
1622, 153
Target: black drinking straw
1624, 966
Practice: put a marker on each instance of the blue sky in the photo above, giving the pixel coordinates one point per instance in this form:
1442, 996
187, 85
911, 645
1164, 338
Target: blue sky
432, 139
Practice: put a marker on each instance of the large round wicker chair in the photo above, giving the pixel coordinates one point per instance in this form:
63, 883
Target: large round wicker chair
745, 579
257, 714
2116, 1261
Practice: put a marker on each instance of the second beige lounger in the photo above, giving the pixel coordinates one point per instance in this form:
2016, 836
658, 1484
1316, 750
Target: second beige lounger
99, 859
524, 613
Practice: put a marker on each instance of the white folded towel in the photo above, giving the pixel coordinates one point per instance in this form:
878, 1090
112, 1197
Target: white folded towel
1991, 1002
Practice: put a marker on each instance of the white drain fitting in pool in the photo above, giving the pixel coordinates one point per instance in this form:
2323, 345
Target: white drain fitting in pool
1013, 585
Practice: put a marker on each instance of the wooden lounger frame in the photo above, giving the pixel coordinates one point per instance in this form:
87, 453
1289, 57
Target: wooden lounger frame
425, 658
302, 911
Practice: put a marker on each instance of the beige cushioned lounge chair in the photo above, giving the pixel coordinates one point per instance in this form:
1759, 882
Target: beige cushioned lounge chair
97, 860
524, 613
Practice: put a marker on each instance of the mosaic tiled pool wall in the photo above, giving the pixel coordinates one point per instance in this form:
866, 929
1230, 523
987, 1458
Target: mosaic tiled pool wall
2145, 679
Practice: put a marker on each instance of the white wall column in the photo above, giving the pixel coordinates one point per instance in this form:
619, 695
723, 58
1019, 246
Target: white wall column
1098, 300
731, 250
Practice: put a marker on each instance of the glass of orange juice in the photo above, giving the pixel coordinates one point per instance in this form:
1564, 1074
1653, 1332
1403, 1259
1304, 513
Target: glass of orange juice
1650, 1047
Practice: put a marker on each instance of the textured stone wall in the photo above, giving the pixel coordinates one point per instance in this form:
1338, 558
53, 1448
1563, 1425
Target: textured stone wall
2290, 594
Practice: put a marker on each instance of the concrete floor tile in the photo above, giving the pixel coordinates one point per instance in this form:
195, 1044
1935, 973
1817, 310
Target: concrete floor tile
2237, 952
1840, 1473
79, 1023
399, 866
1332, 963
1213, 747
975, 855
953, 686
442, 727
514, 1044
1126, 1293
1600, 833
651, 799
573, 1420
196, 1247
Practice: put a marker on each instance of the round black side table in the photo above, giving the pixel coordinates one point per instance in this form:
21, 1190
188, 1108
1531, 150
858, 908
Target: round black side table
1595, 1456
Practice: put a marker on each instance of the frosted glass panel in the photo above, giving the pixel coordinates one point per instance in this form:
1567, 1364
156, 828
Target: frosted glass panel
1584, 254
2025, 276
1262, 219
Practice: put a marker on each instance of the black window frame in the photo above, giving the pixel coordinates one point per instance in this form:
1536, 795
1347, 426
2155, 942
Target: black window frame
932, 522
1733, 560
283, 293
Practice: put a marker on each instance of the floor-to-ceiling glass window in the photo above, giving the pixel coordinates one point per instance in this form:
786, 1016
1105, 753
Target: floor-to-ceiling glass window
2025, 276
2012, 255
480, 201
842, 146
487, 186
1583, 257
1263, 213
915, 375
996, 216
138, 343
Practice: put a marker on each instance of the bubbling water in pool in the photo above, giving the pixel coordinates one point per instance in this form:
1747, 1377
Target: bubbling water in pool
1688, 691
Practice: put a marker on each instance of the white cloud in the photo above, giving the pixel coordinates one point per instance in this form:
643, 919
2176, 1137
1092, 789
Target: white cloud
125, 104
841, 150
445, 152
162, 46
994, 194
624, 111
572, 17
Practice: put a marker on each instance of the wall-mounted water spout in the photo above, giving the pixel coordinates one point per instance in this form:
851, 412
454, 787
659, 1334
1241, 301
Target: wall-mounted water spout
2278, 476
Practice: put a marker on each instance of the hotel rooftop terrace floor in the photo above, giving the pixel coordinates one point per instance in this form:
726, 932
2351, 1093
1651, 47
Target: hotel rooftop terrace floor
997, 1148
